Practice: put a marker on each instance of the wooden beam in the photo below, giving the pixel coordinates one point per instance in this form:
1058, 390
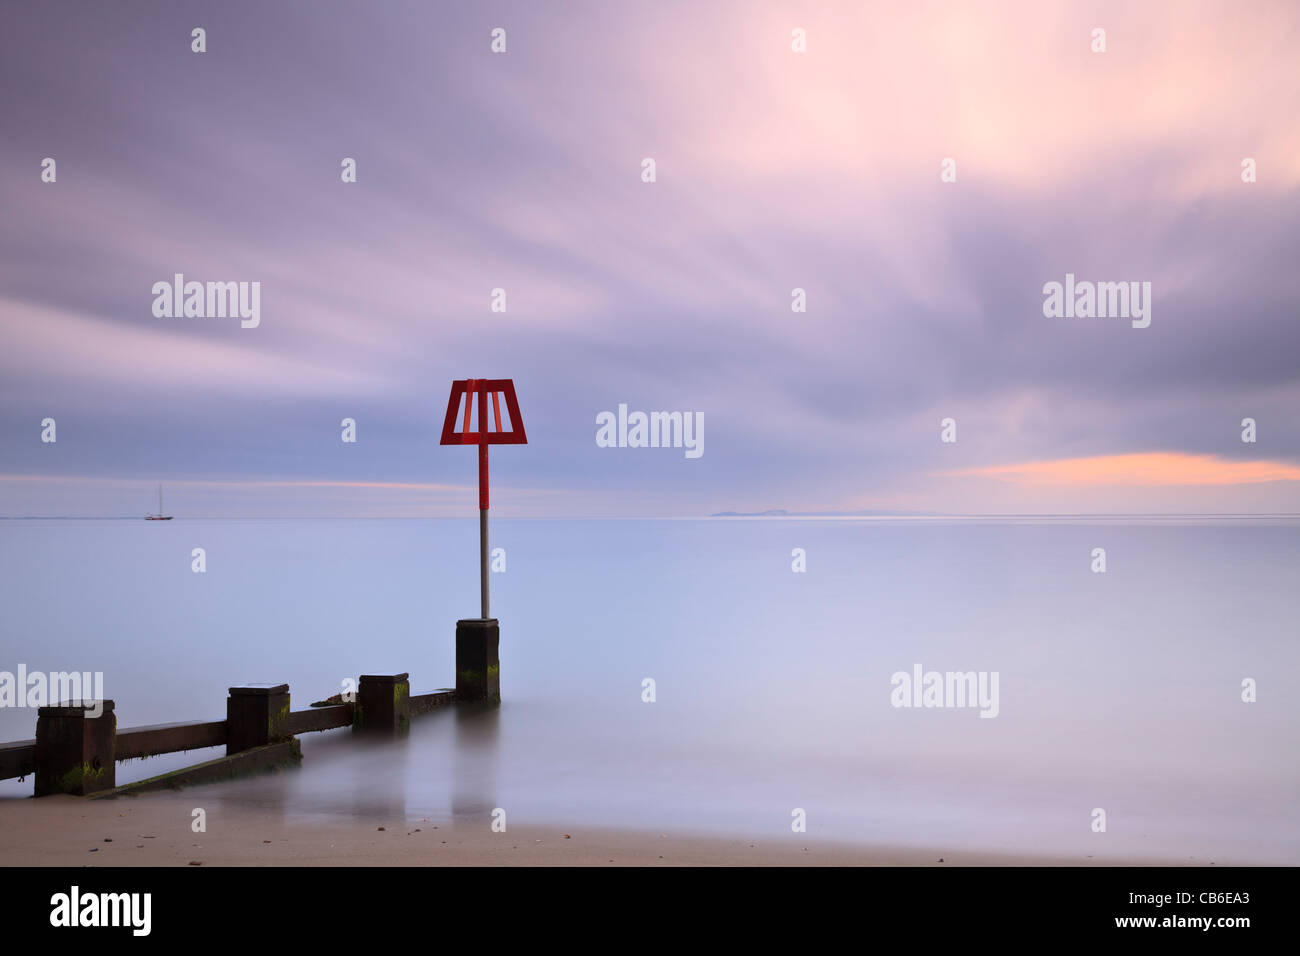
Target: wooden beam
17, 759
319, 718
170, 738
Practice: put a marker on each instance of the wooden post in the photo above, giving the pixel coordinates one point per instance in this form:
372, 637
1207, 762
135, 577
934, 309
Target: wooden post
383, 704
478, 663
75, 744
256, 715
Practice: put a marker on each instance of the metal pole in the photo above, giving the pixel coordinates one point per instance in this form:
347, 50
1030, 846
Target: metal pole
482, 498
483, 558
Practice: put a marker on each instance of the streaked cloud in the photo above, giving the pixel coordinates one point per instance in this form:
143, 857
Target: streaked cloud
776, 170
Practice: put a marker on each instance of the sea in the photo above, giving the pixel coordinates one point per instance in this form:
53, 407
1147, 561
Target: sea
737, 677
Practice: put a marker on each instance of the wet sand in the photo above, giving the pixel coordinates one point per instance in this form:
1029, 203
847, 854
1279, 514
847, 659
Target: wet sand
155, 830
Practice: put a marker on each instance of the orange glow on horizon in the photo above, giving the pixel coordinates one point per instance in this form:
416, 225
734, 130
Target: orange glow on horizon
1139, 468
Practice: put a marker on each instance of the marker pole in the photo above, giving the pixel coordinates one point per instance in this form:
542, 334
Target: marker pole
483, 500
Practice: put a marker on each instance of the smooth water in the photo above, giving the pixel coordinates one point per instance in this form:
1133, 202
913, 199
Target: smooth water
1119, 691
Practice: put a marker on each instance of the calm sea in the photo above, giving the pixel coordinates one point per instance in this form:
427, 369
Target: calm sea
1120, 691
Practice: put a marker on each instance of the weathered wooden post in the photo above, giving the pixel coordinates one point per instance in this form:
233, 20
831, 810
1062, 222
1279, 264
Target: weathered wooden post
478, 660
478, 665
75, 748
256, 715
383, 705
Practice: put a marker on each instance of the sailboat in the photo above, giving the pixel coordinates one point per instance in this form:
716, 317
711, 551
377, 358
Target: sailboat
159, 516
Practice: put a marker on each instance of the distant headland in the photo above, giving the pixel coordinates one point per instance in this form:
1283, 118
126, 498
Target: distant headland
783, 513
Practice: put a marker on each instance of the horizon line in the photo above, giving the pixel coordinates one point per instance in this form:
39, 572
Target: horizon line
813, 515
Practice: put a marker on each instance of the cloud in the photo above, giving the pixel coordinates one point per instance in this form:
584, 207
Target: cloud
51, 343
776, 170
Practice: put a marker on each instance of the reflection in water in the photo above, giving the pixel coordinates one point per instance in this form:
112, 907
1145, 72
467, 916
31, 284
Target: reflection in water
375, 793
474, 764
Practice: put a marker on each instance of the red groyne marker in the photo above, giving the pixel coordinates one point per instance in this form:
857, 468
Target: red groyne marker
491, 431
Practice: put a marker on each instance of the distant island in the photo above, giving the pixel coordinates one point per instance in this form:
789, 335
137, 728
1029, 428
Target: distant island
782, 513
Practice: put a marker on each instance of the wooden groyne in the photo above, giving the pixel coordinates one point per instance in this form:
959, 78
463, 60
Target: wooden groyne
77, 744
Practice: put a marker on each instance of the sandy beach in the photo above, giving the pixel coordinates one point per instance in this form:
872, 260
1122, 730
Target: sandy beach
155, 830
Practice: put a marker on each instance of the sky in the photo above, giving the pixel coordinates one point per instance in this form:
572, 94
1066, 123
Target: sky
775, 170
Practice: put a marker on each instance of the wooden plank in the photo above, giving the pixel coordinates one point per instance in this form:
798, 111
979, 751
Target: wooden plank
169, 738
319, 718
17, 759
423, 703
257, 760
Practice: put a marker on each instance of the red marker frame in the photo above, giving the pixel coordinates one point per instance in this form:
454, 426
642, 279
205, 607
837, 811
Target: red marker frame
476, 391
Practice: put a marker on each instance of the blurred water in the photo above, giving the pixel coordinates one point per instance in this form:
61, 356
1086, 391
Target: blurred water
1117, 690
